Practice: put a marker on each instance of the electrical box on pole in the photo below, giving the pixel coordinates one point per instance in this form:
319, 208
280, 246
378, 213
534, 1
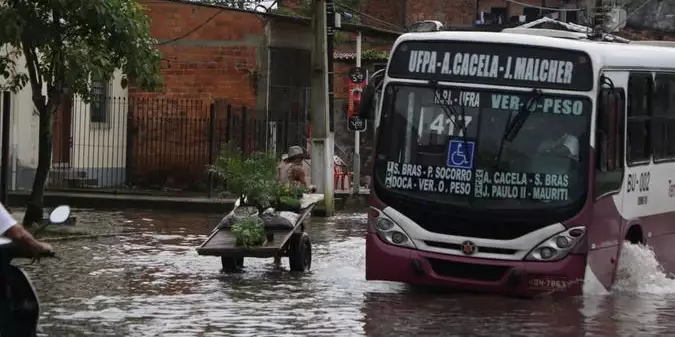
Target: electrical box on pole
615, 20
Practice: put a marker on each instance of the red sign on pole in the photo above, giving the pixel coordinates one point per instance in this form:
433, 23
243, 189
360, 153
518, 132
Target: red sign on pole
357, 81
354, 96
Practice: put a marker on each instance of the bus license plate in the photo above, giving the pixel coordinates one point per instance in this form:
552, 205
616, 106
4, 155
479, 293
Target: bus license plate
547, 283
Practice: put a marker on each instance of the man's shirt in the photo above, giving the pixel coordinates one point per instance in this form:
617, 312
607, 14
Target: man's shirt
6, 220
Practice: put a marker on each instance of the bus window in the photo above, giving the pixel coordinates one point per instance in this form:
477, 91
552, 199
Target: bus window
663, 119
609, 141
640, 88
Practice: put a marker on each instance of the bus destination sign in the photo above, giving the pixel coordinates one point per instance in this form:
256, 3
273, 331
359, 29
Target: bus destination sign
494, 63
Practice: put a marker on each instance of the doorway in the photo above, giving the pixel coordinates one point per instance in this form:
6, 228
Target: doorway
61, 129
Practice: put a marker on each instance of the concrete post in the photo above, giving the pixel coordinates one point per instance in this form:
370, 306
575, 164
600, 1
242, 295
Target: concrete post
322, 137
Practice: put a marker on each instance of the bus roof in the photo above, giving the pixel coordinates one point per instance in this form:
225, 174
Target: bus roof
607, 54
669, 44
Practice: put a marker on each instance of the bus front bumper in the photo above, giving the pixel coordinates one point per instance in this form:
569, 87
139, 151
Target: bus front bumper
385, 262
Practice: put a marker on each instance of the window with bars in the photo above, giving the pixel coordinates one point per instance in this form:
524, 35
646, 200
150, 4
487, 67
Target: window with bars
98, 107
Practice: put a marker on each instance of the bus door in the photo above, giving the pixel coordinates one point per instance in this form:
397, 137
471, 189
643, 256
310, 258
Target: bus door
605, 233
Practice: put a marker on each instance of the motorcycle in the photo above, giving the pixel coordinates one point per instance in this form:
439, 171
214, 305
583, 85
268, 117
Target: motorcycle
19, 302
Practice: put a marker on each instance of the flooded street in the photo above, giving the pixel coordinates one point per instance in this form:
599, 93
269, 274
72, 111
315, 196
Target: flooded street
151, 282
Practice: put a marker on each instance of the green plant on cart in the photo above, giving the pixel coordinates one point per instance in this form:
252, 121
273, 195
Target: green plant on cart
249, 231
289, 197
252, 176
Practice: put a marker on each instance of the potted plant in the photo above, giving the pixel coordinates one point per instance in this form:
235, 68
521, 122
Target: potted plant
253, 178
249, 232
289, 197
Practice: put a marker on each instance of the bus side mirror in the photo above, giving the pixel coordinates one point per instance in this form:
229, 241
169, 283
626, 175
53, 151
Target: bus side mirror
366, 106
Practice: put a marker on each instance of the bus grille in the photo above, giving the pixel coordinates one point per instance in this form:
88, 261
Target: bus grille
483, 249
443, 224
468, 271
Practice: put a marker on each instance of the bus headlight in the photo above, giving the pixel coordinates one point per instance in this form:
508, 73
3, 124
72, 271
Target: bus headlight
557, 246
392, 233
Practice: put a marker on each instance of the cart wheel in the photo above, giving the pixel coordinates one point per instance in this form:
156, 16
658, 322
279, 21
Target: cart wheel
232, 264
300, 252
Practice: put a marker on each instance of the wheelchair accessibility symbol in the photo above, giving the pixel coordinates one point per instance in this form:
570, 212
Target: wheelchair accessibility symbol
460, 154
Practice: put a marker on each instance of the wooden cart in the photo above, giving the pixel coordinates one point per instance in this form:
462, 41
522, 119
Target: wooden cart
293, 243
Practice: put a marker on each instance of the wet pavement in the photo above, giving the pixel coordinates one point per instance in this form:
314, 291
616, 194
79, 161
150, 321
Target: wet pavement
151, 282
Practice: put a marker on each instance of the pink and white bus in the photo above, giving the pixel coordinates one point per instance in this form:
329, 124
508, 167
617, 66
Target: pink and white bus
520, 164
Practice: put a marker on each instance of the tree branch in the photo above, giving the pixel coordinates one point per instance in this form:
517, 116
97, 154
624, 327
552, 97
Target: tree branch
33, 68
56, 67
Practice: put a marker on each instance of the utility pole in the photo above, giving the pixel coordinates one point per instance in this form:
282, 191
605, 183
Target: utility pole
4, 164
330, 39
356, 180
598, 19
322, 135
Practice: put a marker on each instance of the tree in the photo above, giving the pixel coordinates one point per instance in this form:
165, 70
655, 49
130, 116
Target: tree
65, 43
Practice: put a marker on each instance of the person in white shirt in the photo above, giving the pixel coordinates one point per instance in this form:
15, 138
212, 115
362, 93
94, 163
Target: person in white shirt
567, 145
12, 230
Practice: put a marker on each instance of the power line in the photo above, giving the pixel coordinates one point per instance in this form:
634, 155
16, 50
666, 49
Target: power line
193, 29
198, 27
369, 17
642, 5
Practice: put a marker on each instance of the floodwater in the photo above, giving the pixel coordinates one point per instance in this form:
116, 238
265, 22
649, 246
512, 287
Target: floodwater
151, 282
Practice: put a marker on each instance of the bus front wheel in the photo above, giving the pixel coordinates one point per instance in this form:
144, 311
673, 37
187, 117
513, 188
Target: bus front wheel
634, 235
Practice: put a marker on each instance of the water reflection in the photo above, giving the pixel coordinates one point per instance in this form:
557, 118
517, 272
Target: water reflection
152, 283
438, 314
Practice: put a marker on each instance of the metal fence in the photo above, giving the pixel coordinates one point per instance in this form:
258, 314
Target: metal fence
153, 144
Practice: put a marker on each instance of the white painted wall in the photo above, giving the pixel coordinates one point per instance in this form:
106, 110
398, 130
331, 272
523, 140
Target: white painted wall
101, 145
96, 147
24, 130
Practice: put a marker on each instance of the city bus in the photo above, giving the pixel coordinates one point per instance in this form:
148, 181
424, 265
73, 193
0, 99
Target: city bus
519, 164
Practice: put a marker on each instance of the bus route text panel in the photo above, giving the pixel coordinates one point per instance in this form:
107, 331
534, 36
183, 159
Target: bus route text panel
478, 184
493, 63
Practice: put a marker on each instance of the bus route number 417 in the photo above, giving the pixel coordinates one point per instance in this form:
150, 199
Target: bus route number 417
356, 123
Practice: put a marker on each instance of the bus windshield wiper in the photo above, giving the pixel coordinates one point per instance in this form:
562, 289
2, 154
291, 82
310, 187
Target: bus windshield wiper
513, 125
450, 110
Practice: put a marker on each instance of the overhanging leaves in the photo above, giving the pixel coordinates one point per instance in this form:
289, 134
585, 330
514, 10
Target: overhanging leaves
68, 42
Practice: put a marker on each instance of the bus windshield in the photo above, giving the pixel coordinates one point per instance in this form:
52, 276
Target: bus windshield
449, 145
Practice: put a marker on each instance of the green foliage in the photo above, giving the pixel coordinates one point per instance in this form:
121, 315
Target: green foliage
65, 45
374, 55
341, 37
254, 177
291, 191
290, 197
68, 42
249, 231
287, 203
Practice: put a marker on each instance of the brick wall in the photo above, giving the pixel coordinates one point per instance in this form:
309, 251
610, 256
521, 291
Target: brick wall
292, 4
634, 33
390, 11
457, 12
213, 61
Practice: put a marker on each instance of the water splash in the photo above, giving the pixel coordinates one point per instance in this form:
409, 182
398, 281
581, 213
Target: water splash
640, 272
640, 298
